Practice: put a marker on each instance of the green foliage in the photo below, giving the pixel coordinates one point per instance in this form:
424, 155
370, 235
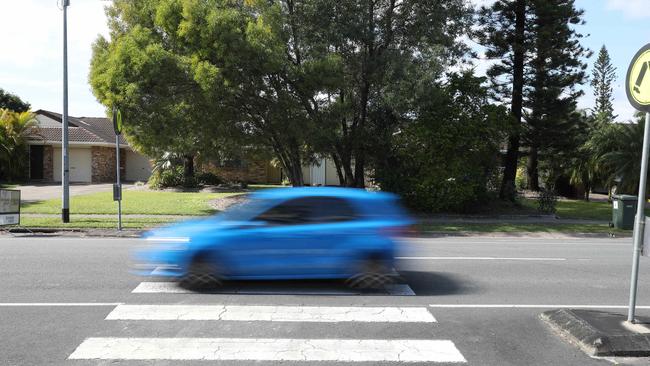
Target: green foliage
12, 102
444, 159
208, 178
603, 76
520, 180
15, 127
547, 201
166, 178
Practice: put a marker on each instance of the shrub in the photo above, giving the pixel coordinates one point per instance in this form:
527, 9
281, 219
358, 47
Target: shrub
208, 178
521, 180
165, 178
547, 201
446, 158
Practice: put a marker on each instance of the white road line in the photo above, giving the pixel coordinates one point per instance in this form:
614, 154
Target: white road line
268, 349
324, 314
527, 306
174, 288
17, 304
483, 258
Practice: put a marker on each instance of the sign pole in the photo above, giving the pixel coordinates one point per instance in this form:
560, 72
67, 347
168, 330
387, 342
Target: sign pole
65, 163
639, 226
117, 188
119, 185
637, 88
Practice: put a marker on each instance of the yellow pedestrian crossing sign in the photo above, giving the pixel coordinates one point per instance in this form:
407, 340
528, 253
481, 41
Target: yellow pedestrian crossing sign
638, 80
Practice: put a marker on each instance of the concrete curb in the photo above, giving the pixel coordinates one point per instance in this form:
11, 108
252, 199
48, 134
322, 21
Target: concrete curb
70, 232
598, 333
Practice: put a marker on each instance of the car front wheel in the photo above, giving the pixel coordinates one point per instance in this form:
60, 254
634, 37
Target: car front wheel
201, 275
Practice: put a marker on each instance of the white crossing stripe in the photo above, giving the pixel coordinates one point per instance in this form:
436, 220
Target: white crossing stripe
268, 349
174, 288
324, 314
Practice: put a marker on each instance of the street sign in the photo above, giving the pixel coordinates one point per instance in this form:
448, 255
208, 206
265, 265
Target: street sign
117, 192
117, 121
637, 82
9, 207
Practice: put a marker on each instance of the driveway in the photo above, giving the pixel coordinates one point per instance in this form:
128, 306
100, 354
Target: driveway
41, 192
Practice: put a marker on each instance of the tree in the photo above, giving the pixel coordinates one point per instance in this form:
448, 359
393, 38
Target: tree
145, 71
381, 48
619, 155
558, 69
603, 76
447, 157
299, 78
15, 127
12, 102
503, 30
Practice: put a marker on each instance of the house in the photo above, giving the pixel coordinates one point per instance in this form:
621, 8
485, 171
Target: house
91, 142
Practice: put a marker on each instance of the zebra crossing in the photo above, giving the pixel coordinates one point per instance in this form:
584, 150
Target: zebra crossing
261, 347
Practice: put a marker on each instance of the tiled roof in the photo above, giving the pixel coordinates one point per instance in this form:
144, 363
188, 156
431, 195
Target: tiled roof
80, 129
75, 134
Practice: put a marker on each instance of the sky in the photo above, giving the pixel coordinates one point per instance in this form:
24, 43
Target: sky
31, 63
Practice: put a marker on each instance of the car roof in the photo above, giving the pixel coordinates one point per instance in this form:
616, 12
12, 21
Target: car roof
297, 192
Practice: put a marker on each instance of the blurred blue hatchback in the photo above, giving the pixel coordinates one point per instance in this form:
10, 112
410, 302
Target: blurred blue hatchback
286, 233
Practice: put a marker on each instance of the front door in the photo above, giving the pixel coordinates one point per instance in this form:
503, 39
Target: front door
36, 162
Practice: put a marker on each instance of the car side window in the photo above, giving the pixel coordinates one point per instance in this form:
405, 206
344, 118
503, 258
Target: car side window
308, 210
329, 210
292, 212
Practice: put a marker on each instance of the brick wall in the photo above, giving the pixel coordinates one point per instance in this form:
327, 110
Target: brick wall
259, 172
103, 164
48, 163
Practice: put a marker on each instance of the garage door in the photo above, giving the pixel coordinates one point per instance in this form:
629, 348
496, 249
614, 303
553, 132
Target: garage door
80, 165
138, 167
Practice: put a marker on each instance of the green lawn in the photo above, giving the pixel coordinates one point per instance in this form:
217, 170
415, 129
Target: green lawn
521, 228
133, 202
578, 209
93, 223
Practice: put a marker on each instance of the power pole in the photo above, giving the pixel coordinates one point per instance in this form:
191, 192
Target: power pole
65, 163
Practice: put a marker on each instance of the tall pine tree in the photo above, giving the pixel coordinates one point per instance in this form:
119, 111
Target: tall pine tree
602, 78
503, 31
558, 69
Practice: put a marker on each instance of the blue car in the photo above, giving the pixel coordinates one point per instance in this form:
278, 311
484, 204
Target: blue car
285, 233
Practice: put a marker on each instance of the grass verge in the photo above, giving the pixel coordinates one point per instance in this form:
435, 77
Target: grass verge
577, 209
521, 228
93, 223
133, 202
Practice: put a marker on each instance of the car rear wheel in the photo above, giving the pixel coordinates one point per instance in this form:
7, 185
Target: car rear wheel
201, 275
373, 273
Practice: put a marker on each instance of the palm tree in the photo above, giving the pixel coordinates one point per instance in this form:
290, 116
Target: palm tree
622, 158
15, 127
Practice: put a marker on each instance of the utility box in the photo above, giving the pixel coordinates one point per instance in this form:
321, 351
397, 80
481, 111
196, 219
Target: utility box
623, 211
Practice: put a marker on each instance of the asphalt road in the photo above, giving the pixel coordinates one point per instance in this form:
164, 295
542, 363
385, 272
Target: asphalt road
64, 301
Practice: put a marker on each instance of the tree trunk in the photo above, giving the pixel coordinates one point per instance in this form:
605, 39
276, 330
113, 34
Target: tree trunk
508, 189
188, 167
339, 170
532, 170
